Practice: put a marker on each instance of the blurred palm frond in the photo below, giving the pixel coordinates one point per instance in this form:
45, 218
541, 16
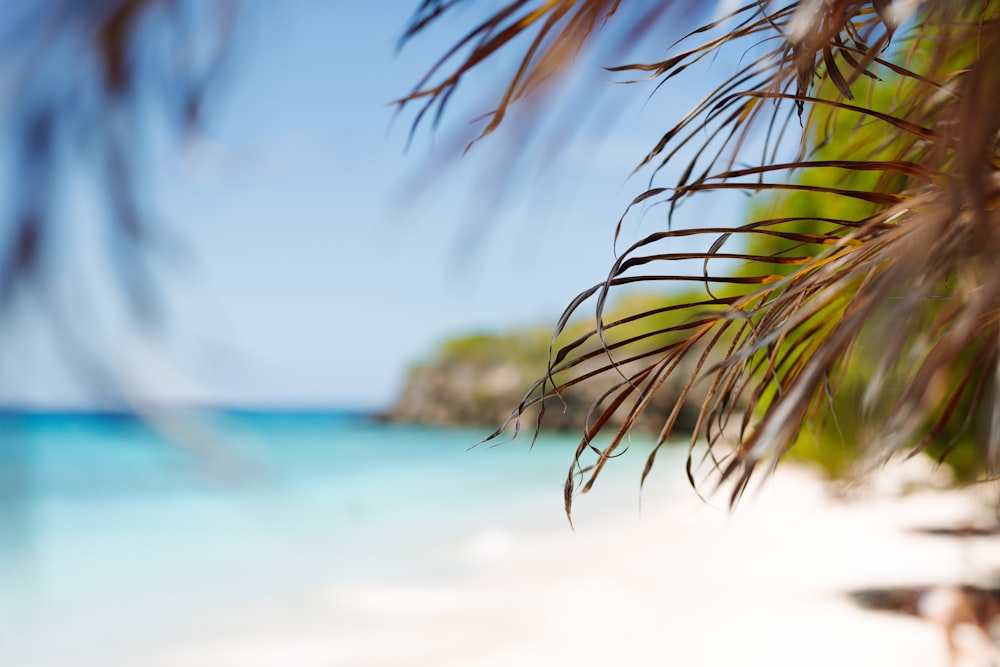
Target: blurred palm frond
88, 87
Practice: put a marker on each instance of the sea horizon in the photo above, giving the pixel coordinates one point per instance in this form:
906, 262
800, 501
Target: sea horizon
264, 408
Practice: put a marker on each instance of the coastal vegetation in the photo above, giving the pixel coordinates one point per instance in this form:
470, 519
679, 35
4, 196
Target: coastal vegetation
866, 283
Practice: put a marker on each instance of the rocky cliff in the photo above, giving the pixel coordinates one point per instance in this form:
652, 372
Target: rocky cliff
481, 379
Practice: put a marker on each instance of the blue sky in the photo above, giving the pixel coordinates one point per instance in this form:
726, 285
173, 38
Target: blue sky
313, 280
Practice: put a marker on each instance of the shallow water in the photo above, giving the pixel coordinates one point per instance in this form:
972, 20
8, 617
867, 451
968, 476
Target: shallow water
123, 538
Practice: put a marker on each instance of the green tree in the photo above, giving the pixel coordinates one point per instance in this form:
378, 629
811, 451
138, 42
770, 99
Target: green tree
874, 115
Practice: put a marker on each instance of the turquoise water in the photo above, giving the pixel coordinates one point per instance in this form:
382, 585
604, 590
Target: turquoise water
116, 531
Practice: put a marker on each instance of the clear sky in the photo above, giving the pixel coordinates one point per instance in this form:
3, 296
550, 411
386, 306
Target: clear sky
315, 276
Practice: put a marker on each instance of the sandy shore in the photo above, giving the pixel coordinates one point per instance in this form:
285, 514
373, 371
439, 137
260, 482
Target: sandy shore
684, 583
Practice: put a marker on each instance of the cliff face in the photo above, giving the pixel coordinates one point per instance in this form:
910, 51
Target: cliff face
460, 393
481, 379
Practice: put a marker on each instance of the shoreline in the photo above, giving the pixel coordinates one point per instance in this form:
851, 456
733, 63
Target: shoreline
682, 583
360, 546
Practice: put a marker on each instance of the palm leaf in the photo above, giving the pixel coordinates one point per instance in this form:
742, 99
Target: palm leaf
898, 268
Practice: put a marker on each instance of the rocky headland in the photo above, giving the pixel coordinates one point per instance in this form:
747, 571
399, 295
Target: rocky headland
481, 379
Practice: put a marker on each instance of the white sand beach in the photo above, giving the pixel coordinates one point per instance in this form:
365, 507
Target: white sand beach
681, 583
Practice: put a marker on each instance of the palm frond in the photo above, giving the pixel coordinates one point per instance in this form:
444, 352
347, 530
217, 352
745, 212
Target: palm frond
896, 170
117, 61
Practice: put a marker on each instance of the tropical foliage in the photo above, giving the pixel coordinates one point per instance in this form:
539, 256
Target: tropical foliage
877, 118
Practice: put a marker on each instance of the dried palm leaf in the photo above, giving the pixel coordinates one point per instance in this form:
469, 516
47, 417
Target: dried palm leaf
898, 268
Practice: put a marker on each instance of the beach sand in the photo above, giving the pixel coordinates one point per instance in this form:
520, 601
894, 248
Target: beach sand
682, 582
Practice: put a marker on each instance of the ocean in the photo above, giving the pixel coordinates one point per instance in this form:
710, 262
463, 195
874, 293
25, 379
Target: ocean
184, 540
